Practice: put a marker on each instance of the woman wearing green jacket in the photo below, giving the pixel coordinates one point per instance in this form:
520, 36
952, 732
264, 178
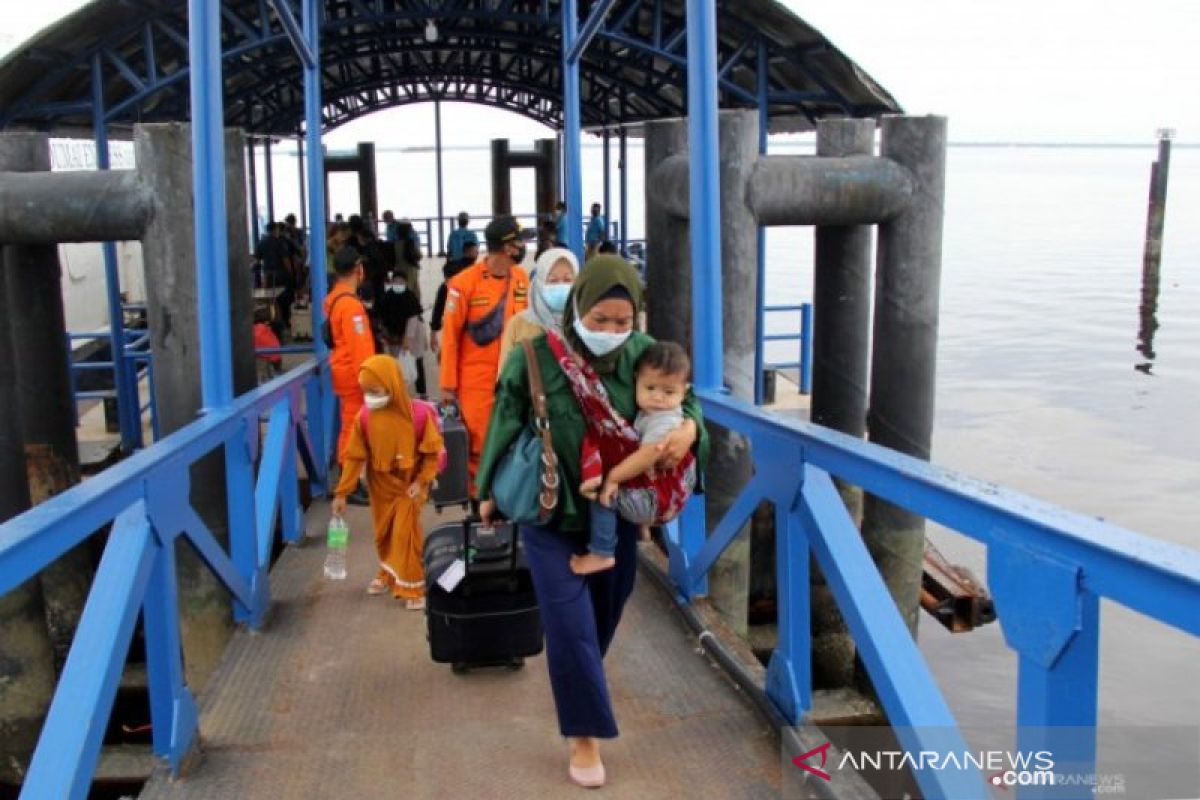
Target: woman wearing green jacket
580, 613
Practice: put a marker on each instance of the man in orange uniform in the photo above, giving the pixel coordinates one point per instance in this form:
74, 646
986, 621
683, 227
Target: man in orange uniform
353, 343
479, 301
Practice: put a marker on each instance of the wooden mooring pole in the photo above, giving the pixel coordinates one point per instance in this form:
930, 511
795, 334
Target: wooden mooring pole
1152, 253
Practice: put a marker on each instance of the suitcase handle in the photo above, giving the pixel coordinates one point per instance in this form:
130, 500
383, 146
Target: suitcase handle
512, 541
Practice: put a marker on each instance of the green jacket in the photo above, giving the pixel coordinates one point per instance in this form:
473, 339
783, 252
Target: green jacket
514, 409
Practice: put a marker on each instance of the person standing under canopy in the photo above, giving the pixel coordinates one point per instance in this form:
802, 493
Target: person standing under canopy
597, 231
353, 344
460, 237
480, 300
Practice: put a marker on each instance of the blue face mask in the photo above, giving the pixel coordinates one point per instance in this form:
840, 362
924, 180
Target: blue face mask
600, 343
397, 288
555, 295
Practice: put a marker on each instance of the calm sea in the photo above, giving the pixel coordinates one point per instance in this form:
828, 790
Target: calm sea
1041, 384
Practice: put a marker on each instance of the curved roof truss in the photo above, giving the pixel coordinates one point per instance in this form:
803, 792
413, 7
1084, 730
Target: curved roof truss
374, 55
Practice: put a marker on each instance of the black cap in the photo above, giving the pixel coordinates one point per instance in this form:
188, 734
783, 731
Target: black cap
505, 229
345, 259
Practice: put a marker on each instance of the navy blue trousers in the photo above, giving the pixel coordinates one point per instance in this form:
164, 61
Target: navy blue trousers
580, 614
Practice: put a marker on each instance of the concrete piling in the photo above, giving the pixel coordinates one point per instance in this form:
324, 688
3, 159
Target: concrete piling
163, 154
668, 291
26, 656
841, 339
31, 285
904, 345
731, 463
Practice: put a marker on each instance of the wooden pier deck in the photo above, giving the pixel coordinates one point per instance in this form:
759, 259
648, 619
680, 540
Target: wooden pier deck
336, 697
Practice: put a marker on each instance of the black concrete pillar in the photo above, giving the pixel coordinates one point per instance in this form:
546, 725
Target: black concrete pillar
32, 289
904, 349
547, 177
26, 656
501, 183
368, 183
841, 342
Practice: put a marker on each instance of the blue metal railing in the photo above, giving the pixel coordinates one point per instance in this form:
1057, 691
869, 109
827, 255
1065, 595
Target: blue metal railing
140, 361
803, 337
147, 498
1047, 569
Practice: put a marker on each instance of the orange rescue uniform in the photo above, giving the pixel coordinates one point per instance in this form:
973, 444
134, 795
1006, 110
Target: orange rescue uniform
466, 367
353, 343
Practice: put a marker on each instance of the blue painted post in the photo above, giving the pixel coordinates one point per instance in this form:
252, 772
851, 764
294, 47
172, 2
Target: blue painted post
172, 707
764, 119
208, 190
1053, 624
623, 156
316, 175
126, 405
300, 183
789, 672
572, 130
441, 211
806, 334
270, 176
705, 191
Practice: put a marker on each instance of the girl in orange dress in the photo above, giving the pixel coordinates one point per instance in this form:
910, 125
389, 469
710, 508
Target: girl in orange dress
401, 464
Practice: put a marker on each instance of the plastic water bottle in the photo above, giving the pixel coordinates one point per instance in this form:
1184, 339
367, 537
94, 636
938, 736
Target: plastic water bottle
336, 539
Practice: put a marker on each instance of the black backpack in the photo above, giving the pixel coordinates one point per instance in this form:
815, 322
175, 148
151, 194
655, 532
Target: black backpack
326, 328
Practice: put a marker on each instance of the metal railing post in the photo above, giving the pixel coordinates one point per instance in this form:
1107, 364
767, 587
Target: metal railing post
126, 406
806, 349
572, 130
208, 191
705, 191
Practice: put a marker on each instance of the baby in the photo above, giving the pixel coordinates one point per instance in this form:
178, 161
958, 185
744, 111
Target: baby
643, 495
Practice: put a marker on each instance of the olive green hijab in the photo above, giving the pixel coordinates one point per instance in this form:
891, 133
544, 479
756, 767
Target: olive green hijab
599, 276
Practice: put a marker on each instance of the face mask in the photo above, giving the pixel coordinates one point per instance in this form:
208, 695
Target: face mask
600, 343
398, 288
555, 295
377, 401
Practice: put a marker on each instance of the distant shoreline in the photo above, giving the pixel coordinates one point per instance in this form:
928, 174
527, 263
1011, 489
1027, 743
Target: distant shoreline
1152, 145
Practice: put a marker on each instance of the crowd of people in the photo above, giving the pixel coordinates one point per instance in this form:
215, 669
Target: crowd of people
627, 433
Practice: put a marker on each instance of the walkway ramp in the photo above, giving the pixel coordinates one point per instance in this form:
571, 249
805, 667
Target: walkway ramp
336, 697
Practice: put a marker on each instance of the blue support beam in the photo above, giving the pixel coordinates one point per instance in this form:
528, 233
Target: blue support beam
128, 417
572, 131
172, 707
760, 300
208, 191
591, 26
69, 746
316, 174
307, 55
705, 191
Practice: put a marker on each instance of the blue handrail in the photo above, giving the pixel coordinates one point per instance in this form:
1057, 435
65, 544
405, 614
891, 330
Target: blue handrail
1047, 569
803, 336
137, 353
146, 497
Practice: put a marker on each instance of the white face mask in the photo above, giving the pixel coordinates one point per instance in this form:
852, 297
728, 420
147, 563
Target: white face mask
398, 288
600, 343
377, 401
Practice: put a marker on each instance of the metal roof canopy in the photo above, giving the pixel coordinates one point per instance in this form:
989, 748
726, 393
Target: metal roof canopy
375, 55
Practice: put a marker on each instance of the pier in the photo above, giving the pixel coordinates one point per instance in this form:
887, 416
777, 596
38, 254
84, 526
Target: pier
209, 538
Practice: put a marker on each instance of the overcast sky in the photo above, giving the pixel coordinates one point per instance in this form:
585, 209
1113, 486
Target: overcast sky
1029, 70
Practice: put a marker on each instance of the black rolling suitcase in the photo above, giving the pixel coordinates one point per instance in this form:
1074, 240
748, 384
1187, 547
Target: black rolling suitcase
453, 486
490, 618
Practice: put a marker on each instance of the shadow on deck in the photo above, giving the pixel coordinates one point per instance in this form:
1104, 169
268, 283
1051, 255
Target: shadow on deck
336, 697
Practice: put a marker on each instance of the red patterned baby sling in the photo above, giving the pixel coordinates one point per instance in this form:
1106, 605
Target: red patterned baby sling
614, 436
